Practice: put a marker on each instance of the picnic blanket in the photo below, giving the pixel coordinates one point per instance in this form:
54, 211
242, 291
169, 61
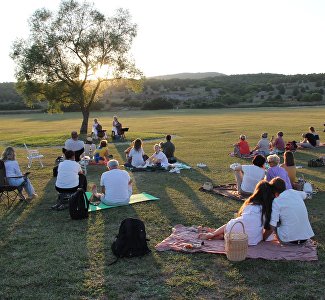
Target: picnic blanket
136, 198
226, 190
182, 236
248, 156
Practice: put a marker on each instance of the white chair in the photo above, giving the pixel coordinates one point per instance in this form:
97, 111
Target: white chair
33, 154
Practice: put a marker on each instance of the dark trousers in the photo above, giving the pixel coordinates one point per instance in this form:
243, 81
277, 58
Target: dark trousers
76, 153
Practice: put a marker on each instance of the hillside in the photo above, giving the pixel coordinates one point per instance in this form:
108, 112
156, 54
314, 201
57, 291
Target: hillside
188, 76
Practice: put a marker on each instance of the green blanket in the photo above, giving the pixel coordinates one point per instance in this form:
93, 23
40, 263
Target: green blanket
134, 199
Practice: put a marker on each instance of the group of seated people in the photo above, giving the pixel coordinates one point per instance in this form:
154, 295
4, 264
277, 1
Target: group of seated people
247, 176
272, 208
163, 155
117, 130
276, 145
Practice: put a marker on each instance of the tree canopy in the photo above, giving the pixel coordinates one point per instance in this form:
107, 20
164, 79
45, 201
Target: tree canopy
73, 54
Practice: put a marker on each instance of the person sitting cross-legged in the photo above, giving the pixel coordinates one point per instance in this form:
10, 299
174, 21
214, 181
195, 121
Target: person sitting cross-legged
169, 149
276, 171
289, 217
247, 176
241, 149
158, 159
116, 186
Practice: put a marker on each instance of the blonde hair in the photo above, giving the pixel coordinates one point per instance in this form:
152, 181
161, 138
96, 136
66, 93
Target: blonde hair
8, 154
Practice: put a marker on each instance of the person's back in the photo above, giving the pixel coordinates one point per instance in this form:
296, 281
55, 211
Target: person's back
74, 145
168, 148
116, 183
277, 171
68, 174
252, 175
136, 157
243, 147
292, 172
289, 214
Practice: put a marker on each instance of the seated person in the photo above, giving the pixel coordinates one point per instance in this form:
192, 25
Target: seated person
117, 131
276, 171
94, 129
101, 153
97, 130
158, 159
136, 155
169, 149
90, 148
289, 217
70, 177
116, 186
313, 131
14, 175
278, 145
263, 145
75, 145
309, 141
241, 148
247, 176
289, 166
255, 214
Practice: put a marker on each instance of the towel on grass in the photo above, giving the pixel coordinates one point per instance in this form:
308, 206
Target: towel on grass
182, 236
226, 190
136, 198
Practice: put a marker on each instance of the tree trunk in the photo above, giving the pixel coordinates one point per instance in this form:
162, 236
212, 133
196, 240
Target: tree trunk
84, 124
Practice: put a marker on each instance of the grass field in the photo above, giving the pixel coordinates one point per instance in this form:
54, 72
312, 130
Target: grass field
46, 255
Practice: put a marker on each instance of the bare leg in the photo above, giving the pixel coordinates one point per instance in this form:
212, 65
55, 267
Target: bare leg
217, 234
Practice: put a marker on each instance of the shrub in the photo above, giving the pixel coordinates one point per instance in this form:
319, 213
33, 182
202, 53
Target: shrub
157, 104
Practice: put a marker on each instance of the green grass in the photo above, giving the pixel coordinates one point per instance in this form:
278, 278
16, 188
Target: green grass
45, 255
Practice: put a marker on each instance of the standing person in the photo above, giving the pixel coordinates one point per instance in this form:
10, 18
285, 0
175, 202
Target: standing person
13, 170
247, 176
263, 145
278, 144
241, 148
289, 166
116, 186
158, 159
289, 217
135, 156
313, 131
309, 141
276, 171
75, 145
168, 148
255, 214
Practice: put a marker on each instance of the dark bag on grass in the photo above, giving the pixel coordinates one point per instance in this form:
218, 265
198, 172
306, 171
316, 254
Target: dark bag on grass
317, 162
131, 240
78, 205
99, 127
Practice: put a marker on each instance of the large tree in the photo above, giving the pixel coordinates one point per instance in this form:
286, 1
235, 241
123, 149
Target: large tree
73, 54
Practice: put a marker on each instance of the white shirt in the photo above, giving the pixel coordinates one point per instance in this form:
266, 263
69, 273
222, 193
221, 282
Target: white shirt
162, 157
252, 175
73, 145
137, 157
290, 210
68, 174
12, 168
251, 217
94, 129
116, 183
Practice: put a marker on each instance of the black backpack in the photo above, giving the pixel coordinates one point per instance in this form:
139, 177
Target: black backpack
131, 240
78, 205
317, 162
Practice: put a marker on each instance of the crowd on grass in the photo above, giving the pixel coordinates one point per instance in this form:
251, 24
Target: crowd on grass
274, 207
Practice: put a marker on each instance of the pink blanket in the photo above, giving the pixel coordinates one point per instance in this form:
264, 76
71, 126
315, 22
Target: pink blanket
183, 237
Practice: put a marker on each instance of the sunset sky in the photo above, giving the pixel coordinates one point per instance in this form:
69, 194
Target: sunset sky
226, 36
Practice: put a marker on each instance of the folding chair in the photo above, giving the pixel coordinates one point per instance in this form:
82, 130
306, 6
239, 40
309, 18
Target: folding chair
33, 154
11, 193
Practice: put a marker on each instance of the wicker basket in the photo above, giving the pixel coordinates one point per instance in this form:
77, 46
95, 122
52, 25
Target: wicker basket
236, 244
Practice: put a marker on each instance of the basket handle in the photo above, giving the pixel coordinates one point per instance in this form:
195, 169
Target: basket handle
242, 224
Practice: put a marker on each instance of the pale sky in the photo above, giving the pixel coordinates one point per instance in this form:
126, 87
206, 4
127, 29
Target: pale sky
226, 36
